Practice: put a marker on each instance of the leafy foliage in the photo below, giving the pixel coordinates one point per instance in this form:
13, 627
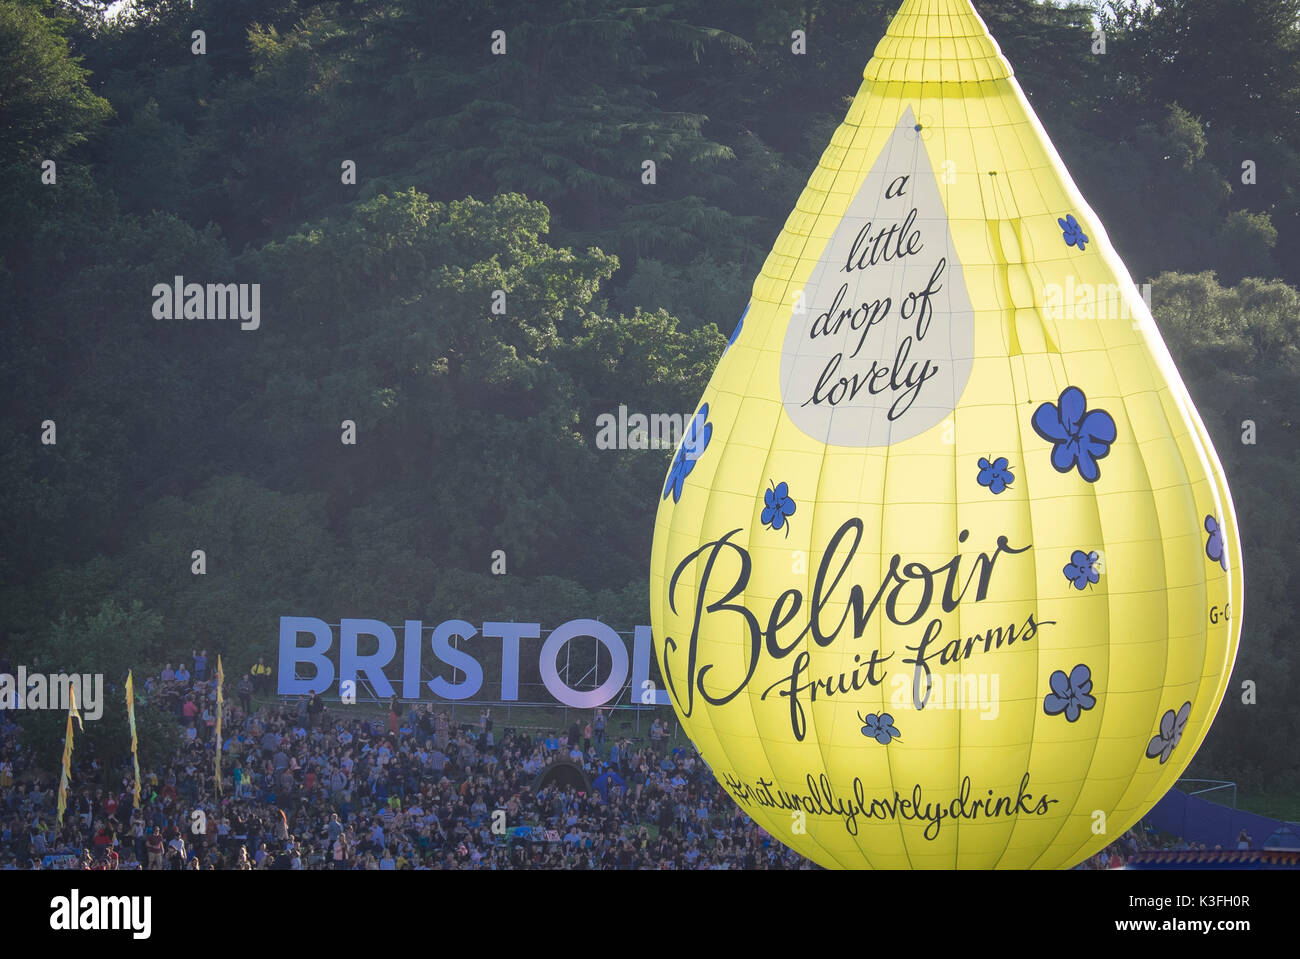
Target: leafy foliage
523, 173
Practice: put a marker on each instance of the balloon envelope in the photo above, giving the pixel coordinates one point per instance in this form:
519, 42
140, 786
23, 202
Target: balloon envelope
945, 569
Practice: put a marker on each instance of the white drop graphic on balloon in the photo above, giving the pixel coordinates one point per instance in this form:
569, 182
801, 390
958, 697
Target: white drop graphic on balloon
885, 349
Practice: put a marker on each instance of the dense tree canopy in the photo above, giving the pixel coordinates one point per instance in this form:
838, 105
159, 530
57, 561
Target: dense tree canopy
524, 173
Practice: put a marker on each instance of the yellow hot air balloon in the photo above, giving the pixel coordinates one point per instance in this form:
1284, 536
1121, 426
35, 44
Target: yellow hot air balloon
946, 572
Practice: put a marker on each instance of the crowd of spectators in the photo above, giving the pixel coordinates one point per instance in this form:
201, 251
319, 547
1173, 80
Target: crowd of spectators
1118, 853
1140, 839
305, 787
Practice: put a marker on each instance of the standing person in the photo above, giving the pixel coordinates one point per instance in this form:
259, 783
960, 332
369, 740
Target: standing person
245, 690
600, 728
153, 845
443, 727
586, 737
314, 708
261, 675
201, 665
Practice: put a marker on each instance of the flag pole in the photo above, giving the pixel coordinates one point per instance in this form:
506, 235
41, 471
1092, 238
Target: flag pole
221, 699
66, 775
130, 715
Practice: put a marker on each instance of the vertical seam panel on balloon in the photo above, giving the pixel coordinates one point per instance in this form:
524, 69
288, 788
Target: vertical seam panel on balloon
819, 265
1195, 442
961, 90
1221, 499
780, 410
722, 747
889, 143
880, 548
1010, 86
1165, 575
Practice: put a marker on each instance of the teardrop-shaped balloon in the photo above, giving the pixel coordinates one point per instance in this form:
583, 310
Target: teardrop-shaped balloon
945, 570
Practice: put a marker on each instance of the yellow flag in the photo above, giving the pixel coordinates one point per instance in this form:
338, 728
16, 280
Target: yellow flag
221, 699
130, 716
72, 708
66, 775
63, 778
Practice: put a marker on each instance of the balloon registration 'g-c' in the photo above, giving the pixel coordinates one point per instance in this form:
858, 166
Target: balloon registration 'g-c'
945, 569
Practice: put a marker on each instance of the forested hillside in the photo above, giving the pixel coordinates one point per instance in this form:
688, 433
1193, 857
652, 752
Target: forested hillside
523, 172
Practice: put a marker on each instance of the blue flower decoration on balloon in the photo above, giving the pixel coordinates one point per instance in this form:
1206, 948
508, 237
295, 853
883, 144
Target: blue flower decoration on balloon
881, 727
995, 475
1069, 694
1171, 731
1215, 546
1081, 570
777, 505
1078, 435
693, 445
735, 334
1071, 232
